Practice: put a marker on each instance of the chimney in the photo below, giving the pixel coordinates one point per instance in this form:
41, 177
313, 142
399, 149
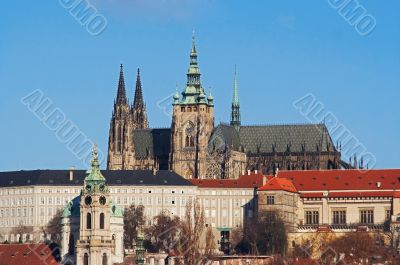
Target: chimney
264, 180
71, 173
154, 171
256, 171
276, 172
248, 172
378, 184
245, 171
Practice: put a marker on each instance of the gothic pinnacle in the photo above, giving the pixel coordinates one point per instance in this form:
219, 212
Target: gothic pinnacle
121, 94
138, 100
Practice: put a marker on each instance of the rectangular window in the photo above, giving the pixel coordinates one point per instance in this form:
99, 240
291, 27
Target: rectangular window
367, 216
270, 200
388, 215
312, 217
339, 217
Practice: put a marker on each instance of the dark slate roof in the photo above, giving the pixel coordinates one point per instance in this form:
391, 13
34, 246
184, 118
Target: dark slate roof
225, 135
153, 142
261, 139
113, 177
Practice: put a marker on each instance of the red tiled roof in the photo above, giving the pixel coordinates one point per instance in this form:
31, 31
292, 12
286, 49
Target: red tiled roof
354, 179
311, 195
349, 194
32, 254
244, 181
338, 183
279, 184
361, 194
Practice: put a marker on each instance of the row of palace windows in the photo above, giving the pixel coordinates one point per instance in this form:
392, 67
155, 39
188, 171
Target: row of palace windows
339, 217
89, 221
194, 109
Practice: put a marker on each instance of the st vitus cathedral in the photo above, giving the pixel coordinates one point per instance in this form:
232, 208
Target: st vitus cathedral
194, 148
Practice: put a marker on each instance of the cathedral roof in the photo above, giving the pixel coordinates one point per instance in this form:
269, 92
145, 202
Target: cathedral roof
225, 135
279, 138
151, 142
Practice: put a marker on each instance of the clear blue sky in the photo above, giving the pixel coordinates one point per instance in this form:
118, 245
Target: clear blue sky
283, 50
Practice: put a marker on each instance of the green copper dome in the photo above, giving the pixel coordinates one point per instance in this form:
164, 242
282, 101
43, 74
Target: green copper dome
116, 210
73, 208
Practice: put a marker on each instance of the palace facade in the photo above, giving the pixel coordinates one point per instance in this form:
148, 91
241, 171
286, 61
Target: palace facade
195, 148
334, 201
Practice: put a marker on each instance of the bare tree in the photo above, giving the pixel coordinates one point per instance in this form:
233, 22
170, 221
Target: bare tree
134, 220
163, 234
192, 228
210, 243
236, 239
21, 230
53, 228
357, 247
264, 235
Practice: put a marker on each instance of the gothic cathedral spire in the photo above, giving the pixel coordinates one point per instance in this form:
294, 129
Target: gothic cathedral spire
235, 108
138, 100
119, 127
139, 114
121, 94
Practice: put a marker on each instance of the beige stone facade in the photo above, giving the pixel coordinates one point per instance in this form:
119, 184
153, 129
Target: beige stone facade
192, 126
337, 202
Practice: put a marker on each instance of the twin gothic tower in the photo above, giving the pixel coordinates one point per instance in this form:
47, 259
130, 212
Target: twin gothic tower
125, 119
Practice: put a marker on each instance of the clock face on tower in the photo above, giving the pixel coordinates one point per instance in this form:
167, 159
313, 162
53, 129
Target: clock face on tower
103, 200
88, 200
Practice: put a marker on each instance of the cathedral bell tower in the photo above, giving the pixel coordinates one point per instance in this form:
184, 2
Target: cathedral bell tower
95, 242
192, 124
120, 149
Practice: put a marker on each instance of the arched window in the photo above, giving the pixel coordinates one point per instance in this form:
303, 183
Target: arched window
88, 221
105, 259
86, 259
190, 134
71, 245
102, 221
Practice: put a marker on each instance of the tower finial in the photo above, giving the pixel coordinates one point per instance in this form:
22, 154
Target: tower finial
235, 108
121, 94
94, 174
95, 158
235, 99
194, 51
